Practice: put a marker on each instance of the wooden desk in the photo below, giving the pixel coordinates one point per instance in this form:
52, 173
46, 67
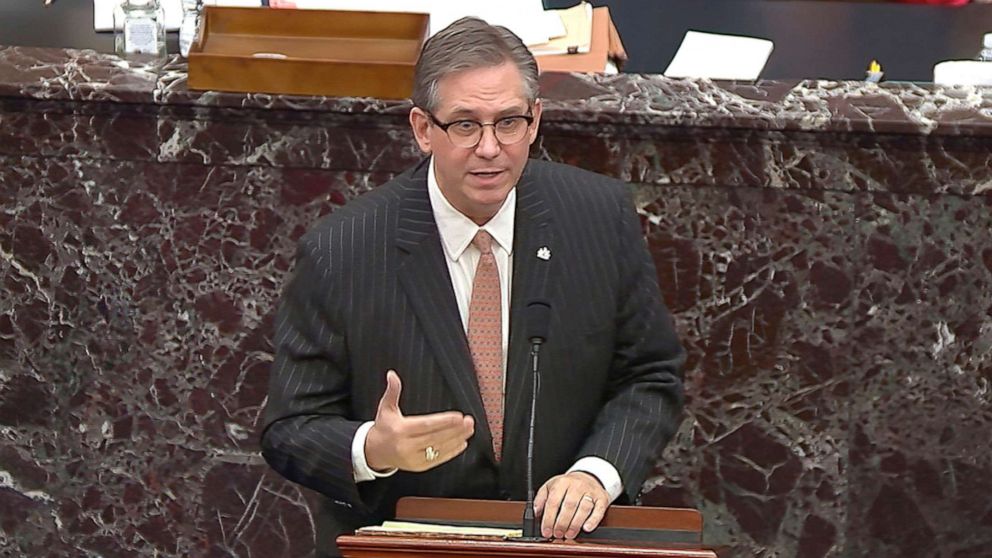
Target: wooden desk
389, 547
636, 531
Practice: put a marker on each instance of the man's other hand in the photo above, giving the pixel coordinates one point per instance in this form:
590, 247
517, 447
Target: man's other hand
415, 443
569, 502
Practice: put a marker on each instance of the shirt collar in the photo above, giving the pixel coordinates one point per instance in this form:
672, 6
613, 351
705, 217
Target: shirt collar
457, 230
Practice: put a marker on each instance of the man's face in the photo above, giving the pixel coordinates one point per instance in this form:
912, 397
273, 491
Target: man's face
476, 180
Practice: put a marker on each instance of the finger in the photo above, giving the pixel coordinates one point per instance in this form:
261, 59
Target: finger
391, 397
426, 457
448, 443
552, 507
541, 498
450, 423
446, 449
585, 507
598, 512
567, 509
447, 452
416, 427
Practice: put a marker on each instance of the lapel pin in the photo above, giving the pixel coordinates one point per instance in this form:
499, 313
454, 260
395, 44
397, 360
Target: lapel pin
544, 253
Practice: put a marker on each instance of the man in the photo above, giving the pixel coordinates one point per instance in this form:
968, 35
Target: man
402, 364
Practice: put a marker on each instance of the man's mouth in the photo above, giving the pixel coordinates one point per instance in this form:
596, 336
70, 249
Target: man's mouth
486, 173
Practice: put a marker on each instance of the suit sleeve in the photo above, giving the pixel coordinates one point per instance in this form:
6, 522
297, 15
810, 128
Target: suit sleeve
308, 432
644, 397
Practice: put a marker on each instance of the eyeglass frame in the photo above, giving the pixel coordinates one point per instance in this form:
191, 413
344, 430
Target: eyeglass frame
529, 118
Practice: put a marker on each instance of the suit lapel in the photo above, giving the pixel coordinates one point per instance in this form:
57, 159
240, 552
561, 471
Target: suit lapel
423, 273
533, 278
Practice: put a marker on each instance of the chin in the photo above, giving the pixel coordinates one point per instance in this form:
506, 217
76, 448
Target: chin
492, 198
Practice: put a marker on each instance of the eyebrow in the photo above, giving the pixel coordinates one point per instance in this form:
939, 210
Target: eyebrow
463, 112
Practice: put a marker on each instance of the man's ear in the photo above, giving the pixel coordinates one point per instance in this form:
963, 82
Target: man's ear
532, 132
421, 125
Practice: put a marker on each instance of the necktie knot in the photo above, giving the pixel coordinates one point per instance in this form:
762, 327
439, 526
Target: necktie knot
483, 241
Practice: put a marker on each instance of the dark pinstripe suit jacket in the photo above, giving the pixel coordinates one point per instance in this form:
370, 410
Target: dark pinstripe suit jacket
371, 292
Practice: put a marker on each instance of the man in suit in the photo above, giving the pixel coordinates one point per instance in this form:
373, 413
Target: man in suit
402, 362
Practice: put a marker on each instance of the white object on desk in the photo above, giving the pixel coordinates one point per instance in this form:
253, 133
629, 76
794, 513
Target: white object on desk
103, 11
103, 14
709, 55
985, 55
963, 72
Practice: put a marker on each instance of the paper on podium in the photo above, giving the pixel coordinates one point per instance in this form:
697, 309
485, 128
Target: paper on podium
430, 529
962, 72
577, 37
713, 56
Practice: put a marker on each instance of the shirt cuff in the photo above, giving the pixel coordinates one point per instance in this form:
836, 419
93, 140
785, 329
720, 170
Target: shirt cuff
605, 473
363, 472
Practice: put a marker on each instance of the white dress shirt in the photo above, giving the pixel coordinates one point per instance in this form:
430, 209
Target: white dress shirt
457, 231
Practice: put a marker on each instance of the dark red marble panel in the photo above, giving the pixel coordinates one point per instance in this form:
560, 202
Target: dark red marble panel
43, 73
625, 99
824, 247
213, 137
921, 468
134, 353
754, 158
763, 300
75, 130
283, 138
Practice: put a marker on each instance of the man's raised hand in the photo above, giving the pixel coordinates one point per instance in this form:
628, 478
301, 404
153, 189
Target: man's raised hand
415, 443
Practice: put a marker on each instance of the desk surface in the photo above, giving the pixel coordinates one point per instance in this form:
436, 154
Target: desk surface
831, 40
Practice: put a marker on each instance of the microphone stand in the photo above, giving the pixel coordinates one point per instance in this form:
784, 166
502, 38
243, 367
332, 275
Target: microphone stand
530, 521
530, 531
538, 320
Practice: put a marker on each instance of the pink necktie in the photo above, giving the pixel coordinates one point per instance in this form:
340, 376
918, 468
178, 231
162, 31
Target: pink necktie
485, 336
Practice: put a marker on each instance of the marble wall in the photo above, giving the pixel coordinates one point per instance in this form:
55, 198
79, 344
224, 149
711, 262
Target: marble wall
826, 249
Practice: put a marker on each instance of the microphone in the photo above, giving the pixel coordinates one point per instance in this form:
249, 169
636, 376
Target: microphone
538, 322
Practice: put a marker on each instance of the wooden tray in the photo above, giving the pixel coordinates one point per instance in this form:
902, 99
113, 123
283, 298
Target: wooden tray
307, 52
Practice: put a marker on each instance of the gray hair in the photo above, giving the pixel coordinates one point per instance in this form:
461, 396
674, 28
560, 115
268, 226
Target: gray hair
468, 44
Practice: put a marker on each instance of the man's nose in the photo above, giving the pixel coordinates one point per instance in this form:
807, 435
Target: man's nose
488, 146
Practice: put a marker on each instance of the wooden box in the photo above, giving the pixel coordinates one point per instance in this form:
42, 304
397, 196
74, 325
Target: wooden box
307, 52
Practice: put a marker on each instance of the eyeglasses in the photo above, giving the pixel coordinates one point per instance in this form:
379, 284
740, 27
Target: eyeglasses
468, 133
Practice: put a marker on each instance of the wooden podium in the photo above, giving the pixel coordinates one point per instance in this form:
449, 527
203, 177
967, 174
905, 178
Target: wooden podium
626, 531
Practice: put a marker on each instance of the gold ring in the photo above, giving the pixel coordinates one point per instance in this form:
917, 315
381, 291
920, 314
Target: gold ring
590, 498
431, 454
